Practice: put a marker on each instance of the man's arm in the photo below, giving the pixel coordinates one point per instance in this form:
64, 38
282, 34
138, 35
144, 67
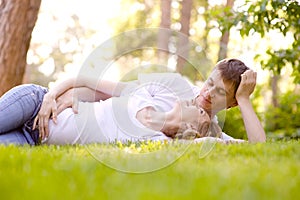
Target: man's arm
254, 129
170, 122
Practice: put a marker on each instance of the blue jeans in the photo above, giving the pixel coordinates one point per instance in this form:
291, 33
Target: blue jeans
18, 108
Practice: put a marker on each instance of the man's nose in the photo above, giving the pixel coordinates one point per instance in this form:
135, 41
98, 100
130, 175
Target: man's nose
210, 92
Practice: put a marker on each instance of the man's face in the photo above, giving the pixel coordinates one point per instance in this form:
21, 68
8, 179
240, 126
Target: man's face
215, 94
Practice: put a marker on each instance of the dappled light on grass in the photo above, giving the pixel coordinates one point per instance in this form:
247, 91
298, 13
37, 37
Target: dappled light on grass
234, 171
138, 157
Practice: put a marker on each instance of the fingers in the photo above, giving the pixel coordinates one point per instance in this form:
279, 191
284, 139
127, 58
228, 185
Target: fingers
54, 115
43, 121
47, 110
75, 105
247, 85
39, 123
41, 129
35, 122
249, 75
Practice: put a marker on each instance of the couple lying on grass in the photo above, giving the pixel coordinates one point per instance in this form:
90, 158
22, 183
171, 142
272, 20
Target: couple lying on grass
155, 107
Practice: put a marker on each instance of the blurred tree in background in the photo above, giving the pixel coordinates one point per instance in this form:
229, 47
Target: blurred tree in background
17, 19
180, 16
48, 68
282, 16
209, 31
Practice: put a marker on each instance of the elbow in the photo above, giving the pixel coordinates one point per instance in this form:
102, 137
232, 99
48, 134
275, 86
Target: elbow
258, 139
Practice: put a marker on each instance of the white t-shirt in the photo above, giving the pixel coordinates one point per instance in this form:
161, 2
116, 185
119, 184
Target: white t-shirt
115, 119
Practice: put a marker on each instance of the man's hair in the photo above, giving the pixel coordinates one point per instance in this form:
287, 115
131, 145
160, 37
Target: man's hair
231, 70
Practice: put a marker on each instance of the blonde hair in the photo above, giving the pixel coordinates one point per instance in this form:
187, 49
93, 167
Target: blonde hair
210, 130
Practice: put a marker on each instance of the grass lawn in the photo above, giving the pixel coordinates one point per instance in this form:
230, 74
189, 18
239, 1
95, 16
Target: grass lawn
235, 171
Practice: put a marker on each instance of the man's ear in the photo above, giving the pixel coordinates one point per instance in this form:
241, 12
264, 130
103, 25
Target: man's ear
234, 104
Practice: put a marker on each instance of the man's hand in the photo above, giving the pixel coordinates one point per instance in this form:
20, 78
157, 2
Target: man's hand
254, 129
247, 85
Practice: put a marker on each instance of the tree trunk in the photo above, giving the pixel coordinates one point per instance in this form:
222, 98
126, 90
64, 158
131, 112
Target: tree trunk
206, 29
274, 86
164, 32
183, 44
17, 19
225, 37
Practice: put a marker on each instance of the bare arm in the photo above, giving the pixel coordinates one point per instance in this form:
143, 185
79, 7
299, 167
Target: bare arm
170, 122
49, 106
104, 86
71, 97
158, 121
254, 129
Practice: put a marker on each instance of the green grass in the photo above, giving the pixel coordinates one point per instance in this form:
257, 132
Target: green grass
236, 171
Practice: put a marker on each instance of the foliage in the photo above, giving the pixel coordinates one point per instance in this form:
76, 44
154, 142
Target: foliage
74, 36
261, 17
284, 119
282, 15
145, 15
243, 171
233, 123
223, 16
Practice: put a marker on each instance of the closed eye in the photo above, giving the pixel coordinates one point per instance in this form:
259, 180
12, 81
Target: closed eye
210, 82
221, 91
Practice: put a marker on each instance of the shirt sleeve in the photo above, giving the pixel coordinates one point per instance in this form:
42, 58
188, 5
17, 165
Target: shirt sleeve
139, 99
226, 137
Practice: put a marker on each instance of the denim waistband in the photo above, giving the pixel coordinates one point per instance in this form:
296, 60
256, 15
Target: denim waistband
32, 136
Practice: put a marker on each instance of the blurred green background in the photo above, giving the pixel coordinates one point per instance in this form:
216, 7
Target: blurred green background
264, 34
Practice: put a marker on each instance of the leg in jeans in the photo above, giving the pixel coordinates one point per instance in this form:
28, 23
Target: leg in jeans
18, 108
13, 137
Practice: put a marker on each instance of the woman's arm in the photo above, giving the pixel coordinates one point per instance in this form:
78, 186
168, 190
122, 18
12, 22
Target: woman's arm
71, 97
49, 106
254, 129
104, 86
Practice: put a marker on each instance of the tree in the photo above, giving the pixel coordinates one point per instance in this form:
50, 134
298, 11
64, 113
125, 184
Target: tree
183, 44
17, 20
164, 33
263, 16
282, 15
225, 34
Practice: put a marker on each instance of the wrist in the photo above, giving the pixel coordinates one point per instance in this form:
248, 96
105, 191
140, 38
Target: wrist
171, 122
242, 100
51, 95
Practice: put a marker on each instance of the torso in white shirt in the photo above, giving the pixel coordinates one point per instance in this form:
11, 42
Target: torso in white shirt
115, 119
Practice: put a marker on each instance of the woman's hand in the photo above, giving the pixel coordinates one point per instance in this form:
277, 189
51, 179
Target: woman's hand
51, 107
247, 85
48, 109
67, 100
